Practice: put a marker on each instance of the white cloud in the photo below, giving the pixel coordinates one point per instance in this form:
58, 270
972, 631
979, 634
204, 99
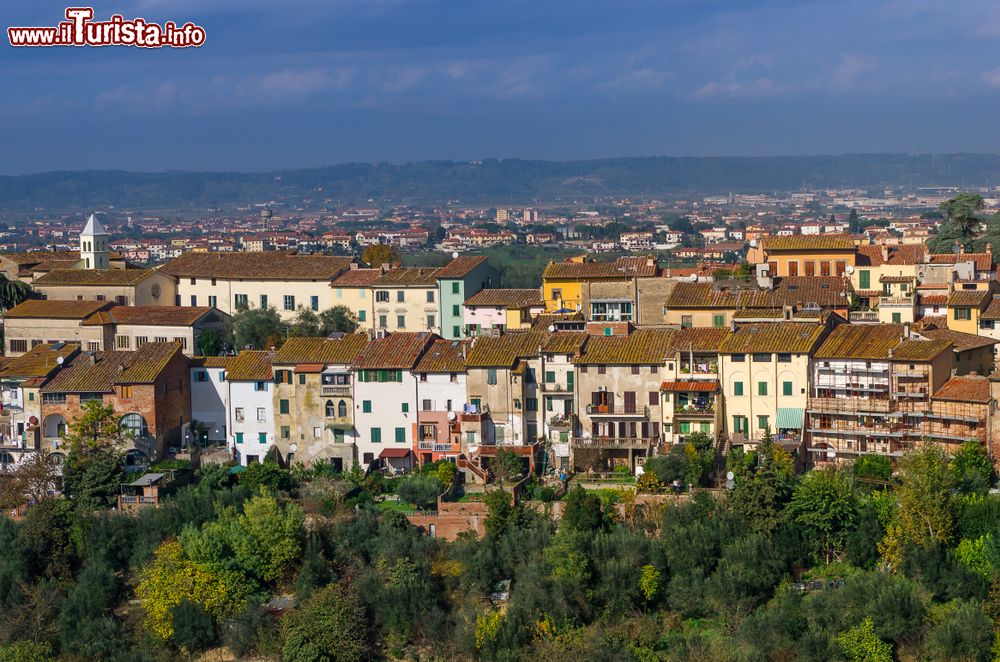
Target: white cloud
991, 78
763, 86
849, 70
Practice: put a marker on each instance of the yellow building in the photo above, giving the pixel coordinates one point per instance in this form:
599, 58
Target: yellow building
964, 309
563, 283
353, 289
802, 255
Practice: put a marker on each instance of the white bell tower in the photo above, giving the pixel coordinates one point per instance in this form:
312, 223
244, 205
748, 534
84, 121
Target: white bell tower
94, 245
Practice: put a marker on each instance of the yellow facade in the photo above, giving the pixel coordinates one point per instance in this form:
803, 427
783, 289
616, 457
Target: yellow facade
964, 319
810, 263
562, 293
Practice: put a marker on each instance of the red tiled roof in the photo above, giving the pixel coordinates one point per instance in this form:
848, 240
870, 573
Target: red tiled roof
983, 261
356, 278
460, 266
707, 386
399, 350
968, 388
395, 452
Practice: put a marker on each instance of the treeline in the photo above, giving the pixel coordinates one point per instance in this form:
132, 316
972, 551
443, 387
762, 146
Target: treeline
838, 564
494, 180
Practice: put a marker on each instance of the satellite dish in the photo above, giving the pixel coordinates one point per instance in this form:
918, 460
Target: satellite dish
730, 475
451, 416
849, 270
552, 328
454, 255
693, 278
753, 243
60, 360
293, 447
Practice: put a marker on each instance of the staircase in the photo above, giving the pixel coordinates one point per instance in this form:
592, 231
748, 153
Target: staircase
721, 451
473, 466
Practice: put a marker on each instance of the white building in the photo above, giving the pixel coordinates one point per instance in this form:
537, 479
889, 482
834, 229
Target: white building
210, 397
251, 407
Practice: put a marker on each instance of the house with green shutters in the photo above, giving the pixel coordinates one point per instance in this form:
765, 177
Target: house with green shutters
457, 281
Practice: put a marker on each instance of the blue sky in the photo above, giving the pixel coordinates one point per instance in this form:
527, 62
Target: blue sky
299, 83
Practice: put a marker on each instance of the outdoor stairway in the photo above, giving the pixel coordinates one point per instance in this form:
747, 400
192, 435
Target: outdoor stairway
721, 451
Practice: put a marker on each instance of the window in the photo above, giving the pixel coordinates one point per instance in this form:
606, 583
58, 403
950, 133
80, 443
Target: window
400, 296
401, 321
261, 415
366, 406
289, 302
123, 342
263, 301
430, 296
239, 415
430, 321
54, 398
762, 423
261, 437
282, 406
194, 300
376, 435
317, 433
133, 425
140, 341
686, 322
160, 338
286, 432
491, 376
654, 398
786, 388
314, 302
201, 376
302, 380
19, 345
897, 318
428, 433
784, 358
602, 369
382, 296
761, 388
383, 321
963, 313
213, 301
239, 437
864, 279
761, 358
361, 316
550, 376
531, 404
260, 386
718, 320
241, 301
456, 331
456, 311
611, 311
739, 424
739, 358
455, 287
91, 346
400, 435
404, 407
126, 392
737, 388
635, 370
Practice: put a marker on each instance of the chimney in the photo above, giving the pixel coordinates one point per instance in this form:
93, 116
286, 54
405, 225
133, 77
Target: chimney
906, 330
961, 249
885, 253
732, 326
93, 359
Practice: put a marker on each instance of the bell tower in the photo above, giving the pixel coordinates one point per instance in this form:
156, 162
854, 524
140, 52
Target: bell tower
94, 245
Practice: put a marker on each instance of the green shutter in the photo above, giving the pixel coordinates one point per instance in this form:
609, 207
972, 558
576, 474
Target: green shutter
786, 388
283, 406
737, 388
400, 435
865, 279
366, 406
376, 435
761, 388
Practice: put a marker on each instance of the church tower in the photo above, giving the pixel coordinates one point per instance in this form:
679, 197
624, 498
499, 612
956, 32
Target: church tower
94, 245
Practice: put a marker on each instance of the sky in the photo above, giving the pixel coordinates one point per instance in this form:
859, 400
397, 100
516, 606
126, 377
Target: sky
303, 83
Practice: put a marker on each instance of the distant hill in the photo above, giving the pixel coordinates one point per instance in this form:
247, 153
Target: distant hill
492, 180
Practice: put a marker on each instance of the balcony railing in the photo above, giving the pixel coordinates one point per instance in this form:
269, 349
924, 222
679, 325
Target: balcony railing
846, 405
340, 421
553, 387
896, 302
336, 391
614, 442
864, 316
692, 409
562, 421
434, 446
639, 411
703, 368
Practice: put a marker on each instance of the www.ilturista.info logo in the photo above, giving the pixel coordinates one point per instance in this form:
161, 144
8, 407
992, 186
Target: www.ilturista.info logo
79, 29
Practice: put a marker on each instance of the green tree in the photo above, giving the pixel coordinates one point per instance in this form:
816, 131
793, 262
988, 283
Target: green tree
877, 467
924, 496
505, 466
331, 626
380, 254
13, 292
649, 582
421, 491
862, 644
305, 323
971, 469
853, 225
255, 327
762, 496
266, 474
94, 467
27, 651
582, 511
502, 513
961, 224
267, 538
210, 343
339, 319
825, 506
194, 628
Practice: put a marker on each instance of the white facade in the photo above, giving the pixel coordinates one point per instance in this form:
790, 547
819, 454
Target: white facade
385, 414
251, 410
210, 401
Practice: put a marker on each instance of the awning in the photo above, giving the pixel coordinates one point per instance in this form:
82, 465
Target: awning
790, 418
309, 367
395, 452
703, 386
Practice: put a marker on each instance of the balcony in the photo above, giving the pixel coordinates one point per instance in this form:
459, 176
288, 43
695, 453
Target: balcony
618, 411
864, 316
340, 422
707, 369
436, 447
553, 387
895, 302
338, 391
643, 443
474, 414
695, 410
848, 405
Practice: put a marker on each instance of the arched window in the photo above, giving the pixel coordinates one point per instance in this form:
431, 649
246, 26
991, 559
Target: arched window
329, 409
342, 409
134, 425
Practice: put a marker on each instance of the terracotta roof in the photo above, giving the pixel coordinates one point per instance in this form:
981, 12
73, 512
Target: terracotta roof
504, 351
443, 356
507, 298
50, 265
962, 341
543, 322
802, 242
52, 309
870, 293
700, 339
908, 254
896, 279
919, 350
460, 266
269, 265
39, 361
983, 261
250, 366
399, 350
342, 351
99, 372
152, 315
782, 337
968, 388
356, 278
825, 291
935, 300
968, 297
622, 268
642, 347
407, 277
124, 277
311, 368
860, 341
565, 342
212, 361
703, 386
37, 257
